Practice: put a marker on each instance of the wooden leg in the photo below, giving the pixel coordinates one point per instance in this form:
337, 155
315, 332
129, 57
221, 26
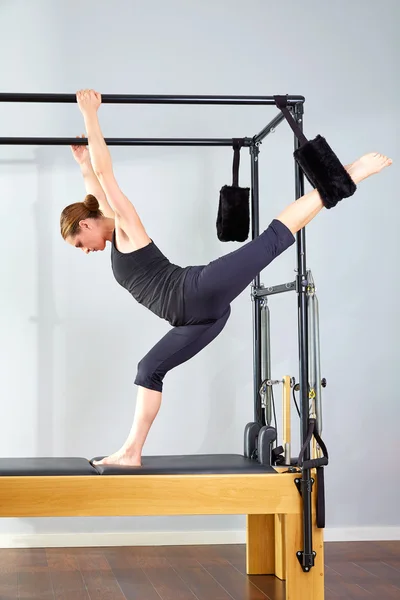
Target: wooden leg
280, 555
260, 545
301, 585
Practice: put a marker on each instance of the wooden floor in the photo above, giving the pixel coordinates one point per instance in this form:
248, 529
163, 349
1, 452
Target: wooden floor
353, 571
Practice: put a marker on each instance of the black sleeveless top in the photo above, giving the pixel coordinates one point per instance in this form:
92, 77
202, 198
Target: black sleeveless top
152, 280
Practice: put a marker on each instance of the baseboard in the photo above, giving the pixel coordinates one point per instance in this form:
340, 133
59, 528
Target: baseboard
177, 538
134, 538
362, 534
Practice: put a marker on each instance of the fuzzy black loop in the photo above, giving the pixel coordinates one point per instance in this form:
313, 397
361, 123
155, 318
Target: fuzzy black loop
233, 218
324, 171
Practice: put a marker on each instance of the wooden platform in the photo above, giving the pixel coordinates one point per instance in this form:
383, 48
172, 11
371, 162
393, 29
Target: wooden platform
270, 500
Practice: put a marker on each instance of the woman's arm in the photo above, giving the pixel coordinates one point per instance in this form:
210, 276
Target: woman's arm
92, 184
126, 216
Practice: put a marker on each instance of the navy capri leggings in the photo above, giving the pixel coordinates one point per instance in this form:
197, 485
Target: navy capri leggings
208, 293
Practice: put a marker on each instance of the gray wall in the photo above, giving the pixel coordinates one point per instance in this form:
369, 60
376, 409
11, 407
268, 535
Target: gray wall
71, 337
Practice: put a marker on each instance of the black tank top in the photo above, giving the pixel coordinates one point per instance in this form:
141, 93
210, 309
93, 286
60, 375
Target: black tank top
152, 280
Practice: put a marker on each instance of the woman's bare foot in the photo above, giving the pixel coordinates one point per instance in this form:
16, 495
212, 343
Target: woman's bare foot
367, 165
120, 458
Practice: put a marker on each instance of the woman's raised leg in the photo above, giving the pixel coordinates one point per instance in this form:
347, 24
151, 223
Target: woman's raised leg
223, 279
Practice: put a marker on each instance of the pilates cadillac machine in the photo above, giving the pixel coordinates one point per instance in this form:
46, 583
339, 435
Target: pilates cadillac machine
282, 497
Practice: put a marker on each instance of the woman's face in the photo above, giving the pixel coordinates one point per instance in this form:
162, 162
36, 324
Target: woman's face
90, 237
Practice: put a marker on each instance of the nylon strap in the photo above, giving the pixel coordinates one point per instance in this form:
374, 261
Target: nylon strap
237, 144
319, 464
316, 462
281, 103
320, 512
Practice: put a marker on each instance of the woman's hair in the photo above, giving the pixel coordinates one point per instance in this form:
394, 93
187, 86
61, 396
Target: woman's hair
74, 213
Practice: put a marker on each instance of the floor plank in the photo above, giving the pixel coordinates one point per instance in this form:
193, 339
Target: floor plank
352, 572
35, 584
271, 586
198, 580
102, 585
235, 583
383, 591
23, 557
382, 571
68, 585
8, 583
135, 584
168, 584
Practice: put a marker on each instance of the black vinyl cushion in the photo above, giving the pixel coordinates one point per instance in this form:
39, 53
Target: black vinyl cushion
186, 465
151, 465
10, 467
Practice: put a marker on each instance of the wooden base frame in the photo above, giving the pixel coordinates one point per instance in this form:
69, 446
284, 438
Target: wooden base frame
271, 502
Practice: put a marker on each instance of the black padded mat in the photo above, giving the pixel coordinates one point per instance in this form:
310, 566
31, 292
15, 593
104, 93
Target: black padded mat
151, 465
45, 466
188, 465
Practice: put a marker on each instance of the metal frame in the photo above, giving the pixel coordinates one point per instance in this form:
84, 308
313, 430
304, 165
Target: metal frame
155, 99
296, 105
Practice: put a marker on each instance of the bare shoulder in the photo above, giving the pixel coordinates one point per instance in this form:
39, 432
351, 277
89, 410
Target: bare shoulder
130, 229
124, 241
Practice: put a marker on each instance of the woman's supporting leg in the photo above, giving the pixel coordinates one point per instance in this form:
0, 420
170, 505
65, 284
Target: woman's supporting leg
176, 347
223, 279
148, 404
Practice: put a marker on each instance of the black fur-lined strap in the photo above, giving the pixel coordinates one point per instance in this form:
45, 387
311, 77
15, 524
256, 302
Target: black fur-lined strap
319, 163
324, 171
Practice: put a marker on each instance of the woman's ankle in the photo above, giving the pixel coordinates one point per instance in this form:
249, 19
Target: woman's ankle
132, 451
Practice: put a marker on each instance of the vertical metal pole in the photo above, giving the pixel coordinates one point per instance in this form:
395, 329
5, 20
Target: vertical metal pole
311, 336
266, 358
307, 555
255, 232
317, 351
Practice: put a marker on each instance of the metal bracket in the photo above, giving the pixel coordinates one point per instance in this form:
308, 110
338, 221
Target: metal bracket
299, 483
306, 561
255, 150
298, 109
274, 289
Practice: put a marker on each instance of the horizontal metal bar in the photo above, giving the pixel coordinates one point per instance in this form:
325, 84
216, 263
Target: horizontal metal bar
269, 128
144, 99
60, 141
275, 289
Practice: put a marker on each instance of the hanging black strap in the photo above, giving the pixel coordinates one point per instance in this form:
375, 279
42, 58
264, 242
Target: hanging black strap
281, 103
320, 512
307, 441
316, 462
237, 144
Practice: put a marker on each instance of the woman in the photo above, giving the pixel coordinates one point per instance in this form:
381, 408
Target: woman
194, 300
